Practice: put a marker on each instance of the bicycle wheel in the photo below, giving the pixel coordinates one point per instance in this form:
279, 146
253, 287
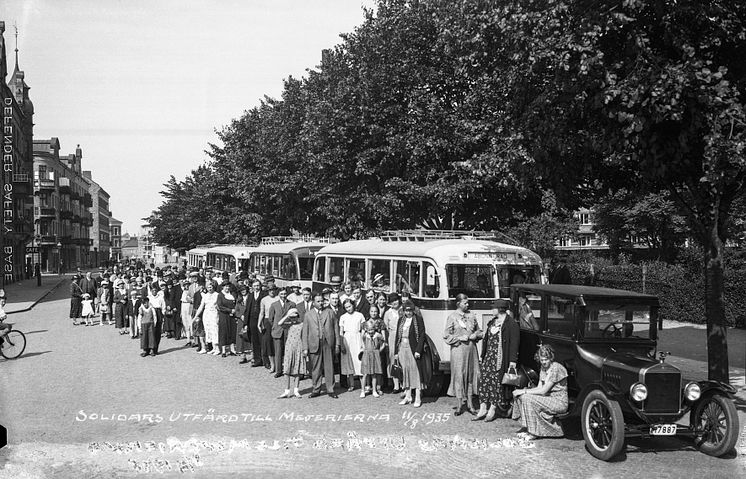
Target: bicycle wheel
13, 344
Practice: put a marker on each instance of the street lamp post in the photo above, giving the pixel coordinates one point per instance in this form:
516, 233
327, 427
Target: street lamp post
59, 250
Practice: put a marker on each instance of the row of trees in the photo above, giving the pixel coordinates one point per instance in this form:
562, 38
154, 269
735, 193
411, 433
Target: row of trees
490, 114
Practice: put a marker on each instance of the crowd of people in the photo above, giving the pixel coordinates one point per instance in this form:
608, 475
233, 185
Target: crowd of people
376, 339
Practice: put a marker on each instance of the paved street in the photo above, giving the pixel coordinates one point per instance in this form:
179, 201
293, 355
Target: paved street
81, 402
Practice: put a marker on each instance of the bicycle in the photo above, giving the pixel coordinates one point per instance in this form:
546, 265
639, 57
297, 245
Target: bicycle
12, 344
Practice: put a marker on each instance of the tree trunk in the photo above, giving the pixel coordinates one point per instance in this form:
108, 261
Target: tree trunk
717, 345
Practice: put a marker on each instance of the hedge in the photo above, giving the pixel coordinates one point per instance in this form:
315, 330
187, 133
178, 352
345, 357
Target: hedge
680, 287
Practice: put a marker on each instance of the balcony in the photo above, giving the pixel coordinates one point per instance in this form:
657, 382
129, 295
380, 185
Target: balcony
22, 184
47, 240
77, 219
66, 215
87, 221
65, 186
44, 213
44, 185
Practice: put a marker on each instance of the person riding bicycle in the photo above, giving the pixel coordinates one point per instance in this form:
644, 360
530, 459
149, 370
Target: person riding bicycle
4, 328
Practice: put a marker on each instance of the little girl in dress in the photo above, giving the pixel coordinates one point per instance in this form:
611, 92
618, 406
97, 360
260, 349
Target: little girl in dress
87, 312
373, 343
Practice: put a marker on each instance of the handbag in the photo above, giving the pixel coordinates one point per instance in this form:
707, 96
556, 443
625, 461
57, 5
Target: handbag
512, 378
396, 371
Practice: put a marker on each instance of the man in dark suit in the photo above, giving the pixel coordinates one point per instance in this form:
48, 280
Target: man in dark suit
88, 285
337, 311
361, 304
320, 338
561, 275
277, 312
306, 304
251, 318
131, 309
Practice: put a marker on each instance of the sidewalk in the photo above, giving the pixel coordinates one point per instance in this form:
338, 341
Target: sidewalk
24, 295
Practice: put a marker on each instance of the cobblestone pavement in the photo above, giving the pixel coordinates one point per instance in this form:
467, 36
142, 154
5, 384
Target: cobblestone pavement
82, 403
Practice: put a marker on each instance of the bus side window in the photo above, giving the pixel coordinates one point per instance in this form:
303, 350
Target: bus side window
357, 272
320, 266
408, 277
379, 279
432, 281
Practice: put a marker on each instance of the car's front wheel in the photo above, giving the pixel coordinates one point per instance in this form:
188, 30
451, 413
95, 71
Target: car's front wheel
602, 425
715, 421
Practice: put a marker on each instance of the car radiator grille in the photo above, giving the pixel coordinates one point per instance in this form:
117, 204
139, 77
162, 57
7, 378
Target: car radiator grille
664, 392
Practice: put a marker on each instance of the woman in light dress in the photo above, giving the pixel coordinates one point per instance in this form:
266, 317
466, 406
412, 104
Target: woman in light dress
293, 361
209, 311
350, 327
391, 320
462, 333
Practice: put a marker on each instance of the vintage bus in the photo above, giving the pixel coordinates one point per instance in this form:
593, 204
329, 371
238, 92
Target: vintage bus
196, 256
434, 267
287, 259
229, 258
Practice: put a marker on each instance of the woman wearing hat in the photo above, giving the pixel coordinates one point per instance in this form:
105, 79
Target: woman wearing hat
410, 346
462, 333
226, 305
499, 353
391, 320
104, 295
76, 304
119, 302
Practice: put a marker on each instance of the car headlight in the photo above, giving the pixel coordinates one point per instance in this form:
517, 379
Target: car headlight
639, 392
692, 391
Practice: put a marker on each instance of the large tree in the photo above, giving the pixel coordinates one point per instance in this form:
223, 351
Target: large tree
644, 94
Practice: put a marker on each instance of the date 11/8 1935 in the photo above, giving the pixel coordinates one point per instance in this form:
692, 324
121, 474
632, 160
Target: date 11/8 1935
412, 419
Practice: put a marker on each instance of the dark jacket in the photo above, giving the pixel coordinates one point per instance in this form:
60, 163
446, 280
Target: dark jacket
314, 322
253, 307
417, 341
509, 339
363, 307
276, 312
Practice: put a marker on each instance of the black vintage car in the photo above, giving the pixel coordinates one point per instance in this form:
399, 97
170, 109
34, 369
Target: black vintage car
618, 384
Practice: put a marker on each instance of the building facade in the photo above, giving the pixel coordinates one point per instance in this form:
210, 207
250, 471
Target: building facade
115, 233
62, 200
18, 112
100, 233
130, 247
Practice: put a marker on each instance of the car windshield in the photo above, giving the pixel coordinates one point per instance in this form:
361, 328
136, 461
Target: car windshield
618, 321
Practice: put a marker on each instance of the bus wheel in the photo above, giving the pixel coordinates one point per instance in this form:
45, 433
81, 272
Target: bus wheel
437, 378
438, 382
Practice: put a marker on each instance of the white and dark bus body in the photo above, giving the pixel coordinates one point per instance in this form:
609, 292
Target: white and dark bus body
287, 259
229, 258
196, 256
434, 271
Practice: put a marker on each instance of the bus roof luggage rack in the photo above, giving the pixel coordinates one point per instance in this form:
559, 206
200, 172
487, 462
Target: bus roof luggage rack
267, 240
430, 235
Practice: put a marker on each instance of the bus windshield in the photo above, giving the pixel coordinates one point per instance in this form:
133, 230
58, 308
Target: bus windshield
473, 280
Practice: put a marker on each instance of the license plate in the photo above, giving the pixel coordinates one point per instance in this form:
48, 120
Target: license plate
663, 430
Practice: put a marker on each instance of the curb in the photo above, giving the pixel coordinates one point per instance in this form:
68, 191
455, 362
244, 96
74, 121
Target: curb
51, 290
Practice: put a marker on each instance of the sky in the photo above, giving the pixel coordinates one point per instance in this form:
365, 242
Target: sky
141, 85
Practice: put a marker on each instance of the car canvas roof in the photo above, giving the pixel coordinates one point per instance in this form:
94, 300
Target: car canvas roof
592, 293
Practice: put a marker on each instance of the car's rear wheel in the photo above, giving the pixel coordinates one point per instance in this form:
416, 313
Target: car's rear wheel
602, 425
715, 421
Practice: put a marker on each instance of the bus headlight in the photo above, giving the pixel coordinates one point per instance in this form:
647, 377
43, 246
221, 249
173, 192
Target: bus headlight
639, 392
692, 391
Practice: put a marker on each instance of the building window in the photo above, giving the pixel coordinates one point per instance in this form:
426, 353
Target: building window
585, 218
585, 241
565, 241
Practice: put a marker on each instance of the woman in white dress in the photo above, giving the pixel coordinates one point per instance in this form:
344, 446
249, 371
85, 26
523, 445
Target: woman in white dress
209, 310
350, 327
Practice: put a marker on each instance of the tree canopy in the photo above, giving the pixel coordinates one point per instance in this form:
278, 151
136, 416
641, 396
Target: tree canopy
482, 115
